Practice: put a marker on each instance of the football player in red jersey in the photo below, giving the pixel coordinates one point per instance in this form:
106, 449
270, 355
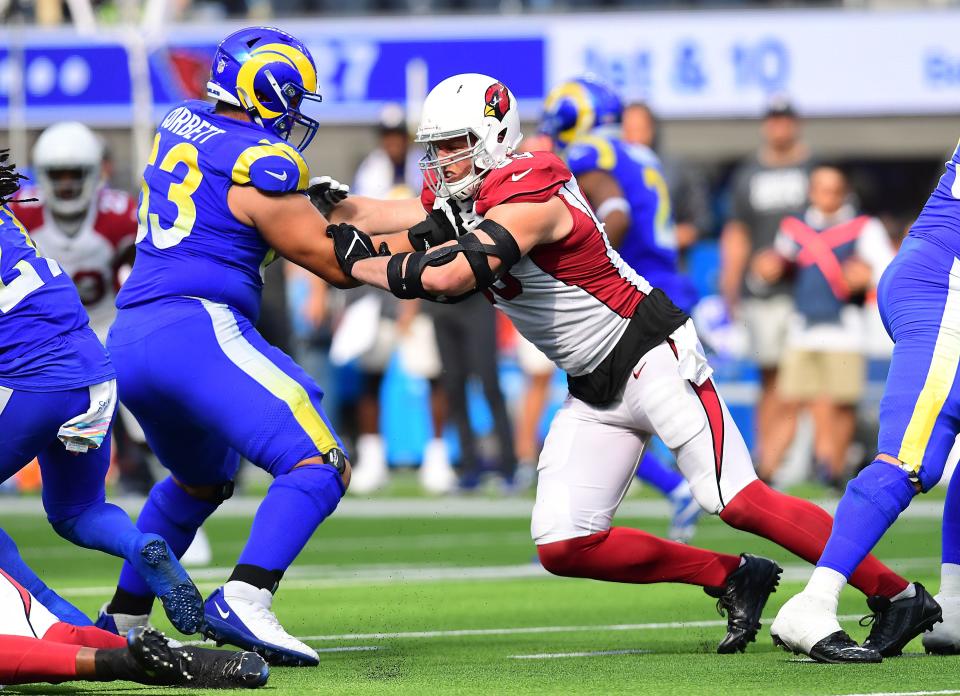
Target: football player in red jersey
517, 228
81, 223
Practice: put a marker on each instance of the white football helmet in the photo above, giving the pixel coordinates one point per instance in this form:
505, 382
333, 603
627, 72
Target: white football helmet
67, 159
478, 107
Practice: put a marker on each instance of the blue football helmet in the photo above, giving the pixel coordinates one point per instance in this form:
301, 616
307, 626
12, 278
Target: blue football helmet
269, 74
578, 106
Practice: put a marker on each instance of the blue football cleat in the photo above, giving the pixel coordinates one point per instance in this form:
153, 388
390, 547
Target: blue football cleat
240, 614
686, 512
161, 570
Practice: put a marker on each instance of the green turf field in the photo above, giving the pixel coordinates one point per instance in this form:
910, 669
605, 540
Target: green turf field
455, 605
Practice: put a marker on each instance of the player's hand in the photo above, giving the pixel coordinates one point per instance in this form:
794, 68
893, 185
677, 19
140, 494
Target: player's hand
859, 275
352, 245
768, 265
325, 193
443, 224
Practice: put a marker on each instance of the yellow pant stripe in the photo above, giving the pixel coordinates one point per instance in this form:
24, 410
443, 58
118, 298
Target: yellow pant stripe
939, 381
258, 366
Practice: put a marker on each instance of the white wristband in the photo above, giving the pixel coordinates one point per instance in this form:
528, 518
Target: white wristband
613, 205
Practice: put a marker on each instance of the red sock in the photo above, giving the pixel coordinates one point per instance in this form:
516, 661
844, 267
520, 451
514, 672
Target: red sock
87, 636
621, 554
802, 528
25, 660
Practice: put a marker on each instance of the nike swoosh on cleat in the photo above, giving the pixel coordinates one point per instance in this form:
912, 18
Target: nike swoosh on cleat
275, 175
221, 612
517, 177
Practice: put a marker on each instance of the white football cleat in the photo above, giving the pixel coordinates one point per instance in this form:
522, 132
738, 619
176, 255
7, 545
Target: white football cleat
370, 472
240, 614
944, 639
805, 620
199, 552
436, 474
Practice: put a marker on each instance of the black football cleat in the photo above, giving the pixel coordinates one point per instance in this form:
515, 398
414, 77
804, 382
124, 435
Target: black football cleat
839, 648
897, 623
159, 661
742, 600
224, 669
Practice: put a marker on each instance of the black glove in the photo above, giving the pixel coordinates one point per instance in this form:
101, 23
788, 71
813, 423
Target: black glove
325, 193
442, 225
352, 245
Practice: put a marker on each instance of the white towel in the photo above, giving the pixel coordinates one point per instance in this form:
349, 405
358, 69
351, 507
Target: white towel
86, 431
693, 363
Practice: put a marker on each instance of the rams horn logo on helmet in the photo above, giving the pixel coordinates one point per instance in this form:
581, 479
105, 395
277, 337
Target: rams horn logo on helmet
497, 101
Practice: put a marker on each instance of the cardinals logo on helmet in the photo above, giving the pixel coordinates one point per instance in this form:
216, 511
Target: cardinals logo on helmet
498, 101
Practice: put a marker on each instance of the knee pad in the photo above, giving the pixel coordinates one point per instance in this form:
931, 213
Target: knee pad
884, 486
319, 482
184, 509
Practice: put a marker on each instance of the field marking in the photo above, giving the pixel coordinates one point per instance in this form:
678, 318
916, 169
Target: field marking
308, 577
453, 507
305, 577
345, 648
596, 653
520, 630
906, 693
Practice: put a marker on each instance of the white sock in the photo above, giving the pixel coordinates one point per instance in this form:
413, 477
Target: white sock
826, 582
908, 592
950, 579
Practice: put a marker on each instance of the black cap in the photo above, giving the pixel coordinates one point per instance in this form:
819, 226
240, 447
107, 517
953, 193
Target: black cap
779, 106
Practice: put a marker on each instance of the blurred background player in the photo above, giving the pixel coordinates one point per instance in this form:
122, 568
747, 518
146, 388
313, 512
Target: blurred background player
767, 187
391, 171
834, 256
919, 300
89, 229
688, 187
222, 195
57, 399
625, 186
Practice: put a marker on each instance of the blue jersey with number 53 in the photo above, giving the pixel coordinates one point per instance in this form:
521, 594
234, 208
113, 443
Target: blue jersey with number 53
650, 244
46, 343
939, 220
189, 243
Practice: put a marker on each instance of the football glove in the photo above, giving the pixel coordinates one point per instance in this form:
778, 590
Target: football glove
443, 224
352, 245
325, 192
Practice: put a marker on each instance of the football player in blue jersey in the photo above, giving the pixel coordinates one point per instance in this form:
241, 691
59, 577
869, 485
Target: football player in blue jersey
57, 398
626, 188
222, 195
919, 301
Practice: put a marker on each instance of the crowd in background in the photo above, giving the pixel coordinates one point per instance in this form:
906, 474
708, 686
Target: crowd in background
783, 256
53, 12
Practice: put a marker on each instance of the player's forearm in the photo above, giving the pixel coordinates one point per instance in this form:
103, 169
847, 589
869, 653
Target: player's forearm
734, 254
372, 271
375, 216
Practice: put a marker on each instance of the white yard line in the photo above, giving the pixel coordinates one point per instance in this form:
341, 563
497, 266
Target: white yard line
906, 693
521, 630
596, 653
431, 508
306, 577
